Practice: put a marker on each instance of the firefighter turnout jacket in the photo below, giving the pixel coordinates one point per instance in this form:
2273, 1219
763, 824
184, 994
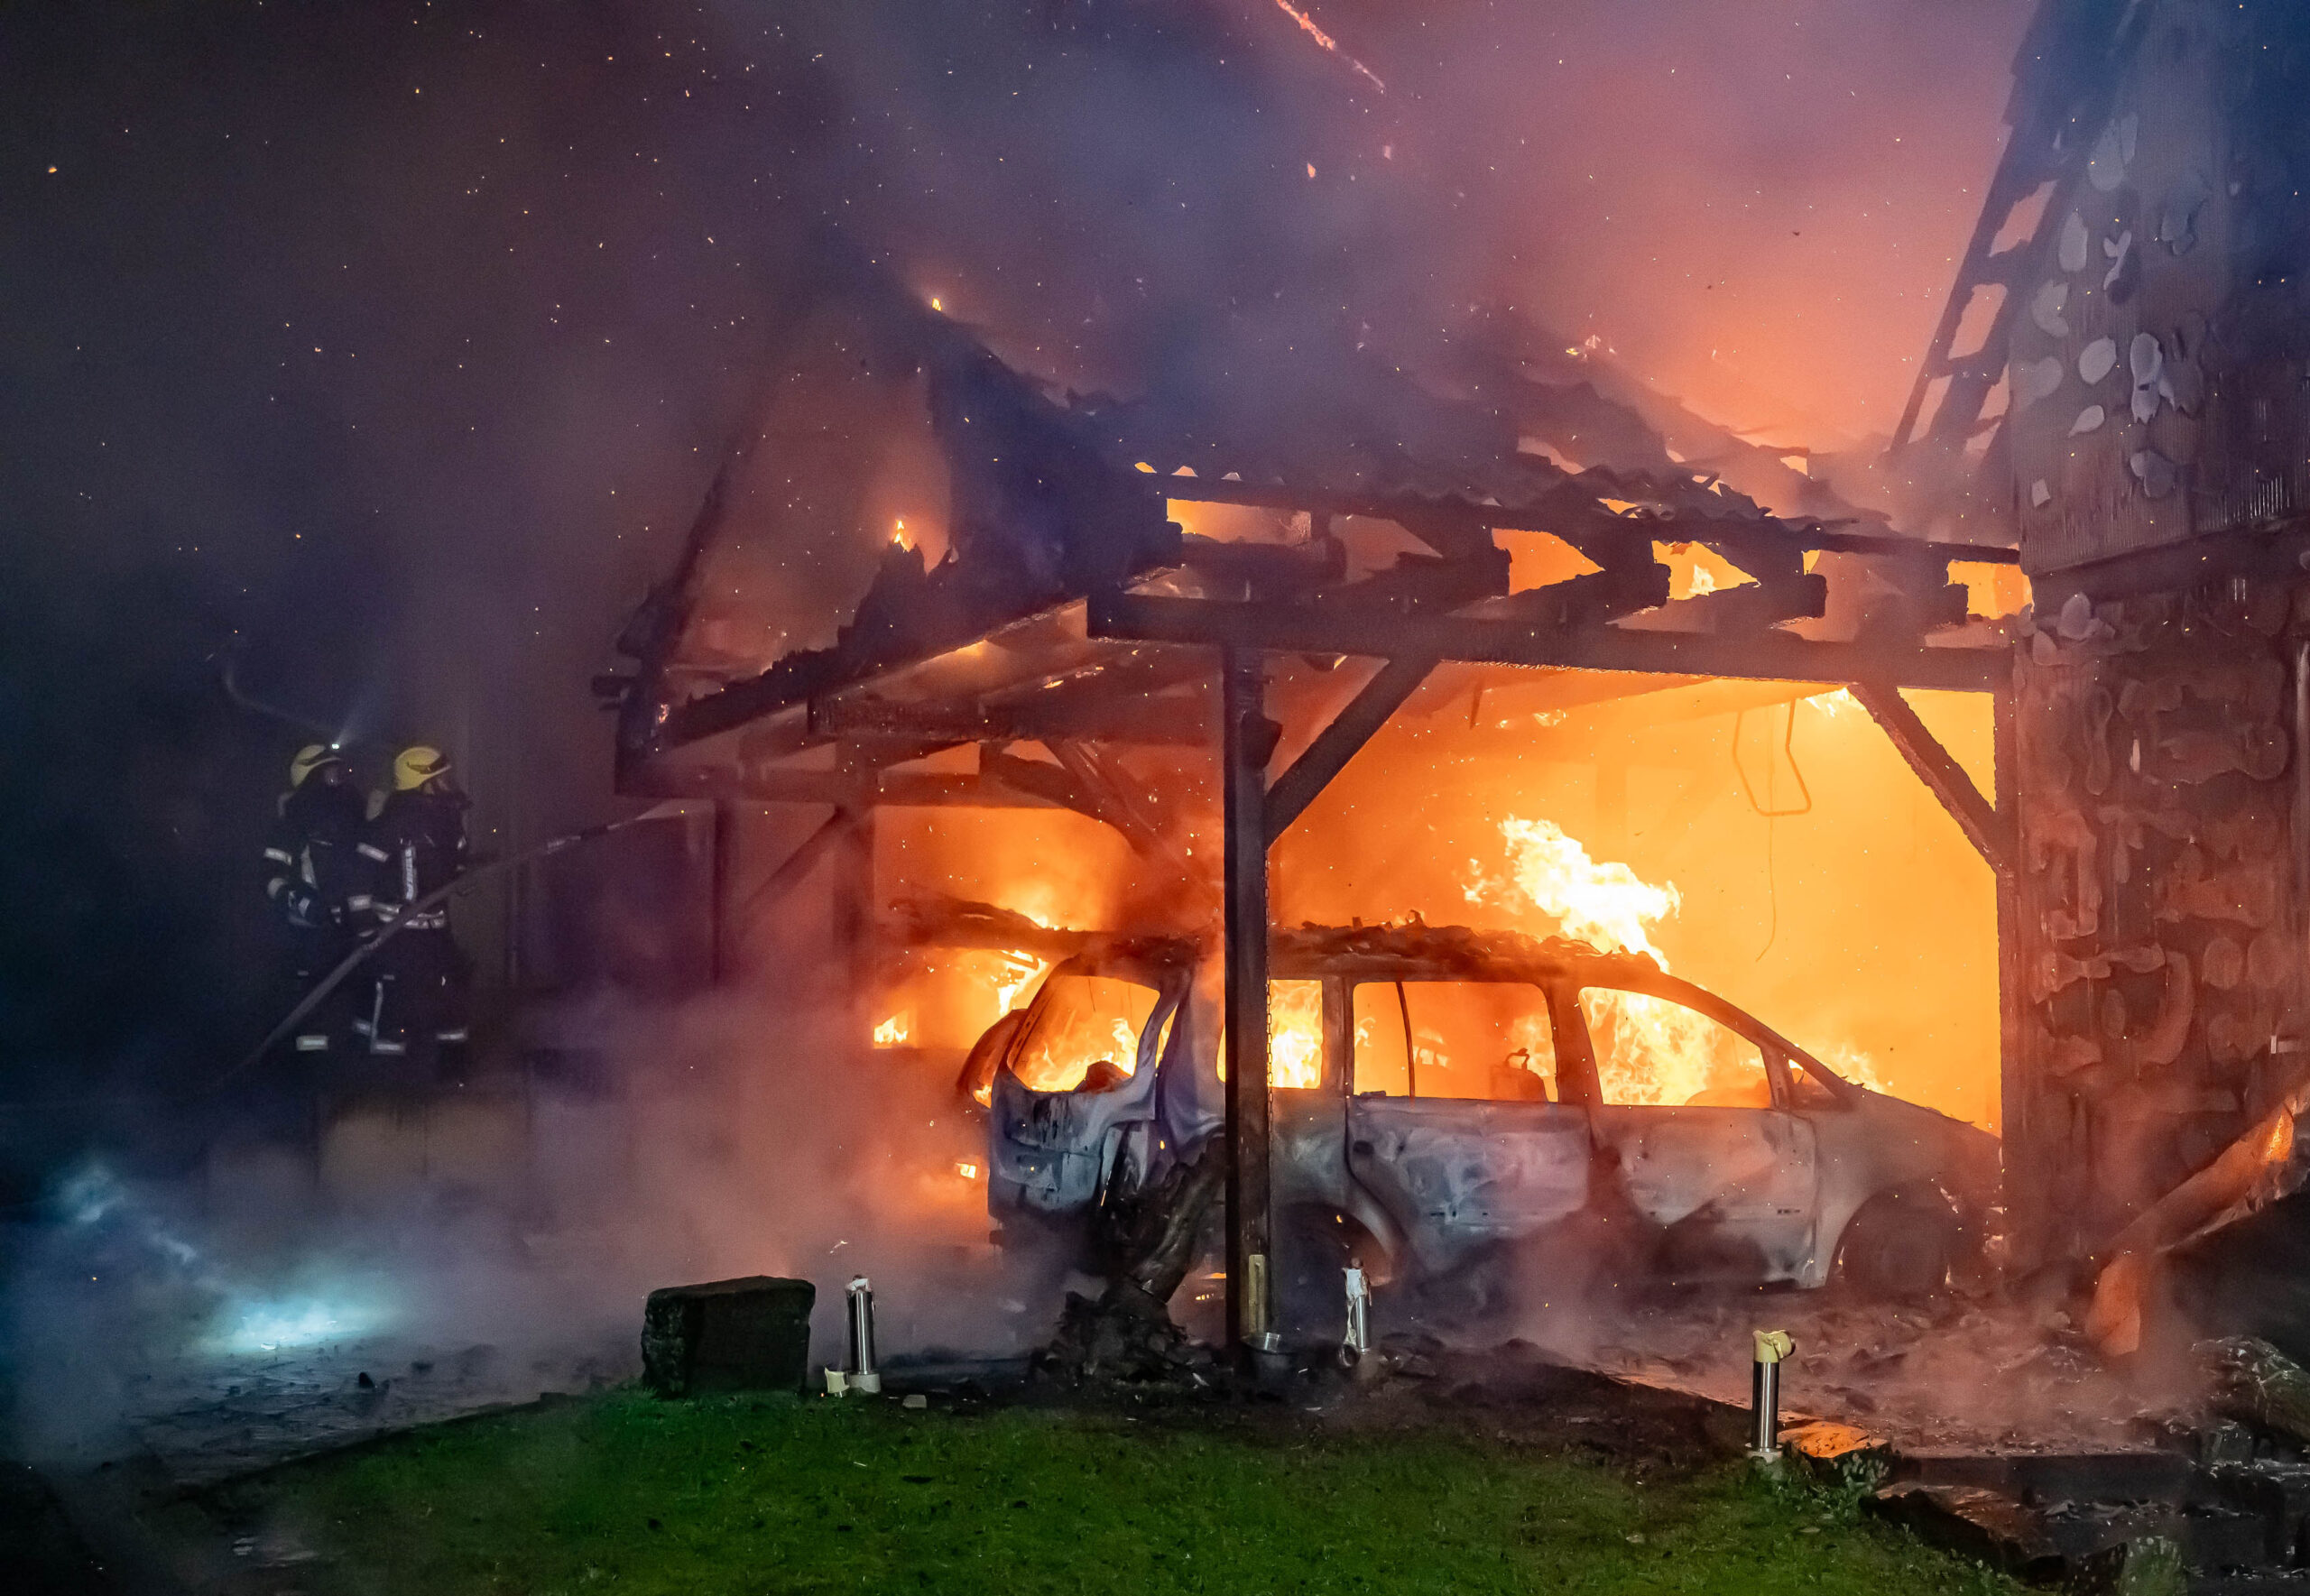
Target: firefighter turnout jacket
414, 847
314, 873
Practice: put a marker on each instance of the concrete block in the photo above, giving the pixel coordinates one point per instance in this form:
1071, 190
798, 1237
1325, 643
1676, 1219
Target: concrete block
1985, 1526
749, 1334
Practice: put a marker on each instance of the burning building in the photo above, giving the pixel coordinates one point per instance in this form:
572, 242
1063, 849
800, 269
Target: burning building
1155, 631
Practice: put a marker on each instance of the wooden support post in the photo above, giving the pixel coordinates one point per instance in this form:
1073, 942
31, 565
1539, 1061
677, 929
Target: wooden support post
854, 918
1247, 741
718, 901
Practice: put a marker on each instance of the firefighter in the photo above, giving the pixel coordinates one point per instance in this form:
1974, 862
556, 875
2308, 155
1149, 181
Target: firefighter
315, 878
416, 845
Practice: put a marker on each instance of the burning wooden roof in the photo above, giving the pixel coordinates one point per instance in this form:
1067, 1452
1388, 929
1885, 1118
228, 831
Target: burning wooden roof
1071, 607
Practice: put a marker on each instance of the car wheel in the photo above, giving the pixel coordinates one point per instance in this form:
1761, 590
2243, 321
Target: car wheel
1898, 1246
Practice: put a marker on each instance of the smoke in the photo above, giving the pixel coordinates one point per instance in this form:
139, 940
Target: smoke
493, 1243
395, 351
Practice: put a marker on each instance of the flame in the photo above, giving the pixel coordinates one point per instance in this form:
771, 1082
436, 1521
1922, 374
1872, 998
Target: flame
899, 537
1606, 905
1024, 969
1648, 1051
1295, 1034
894, 1032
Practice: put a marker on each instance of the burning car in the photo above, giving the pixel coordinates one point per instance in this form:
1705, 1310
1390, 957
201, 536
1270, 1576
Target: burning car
1447, 1100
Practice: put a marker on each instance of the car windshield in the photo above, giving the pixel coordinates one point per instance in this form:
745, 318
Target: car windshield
1084, 1032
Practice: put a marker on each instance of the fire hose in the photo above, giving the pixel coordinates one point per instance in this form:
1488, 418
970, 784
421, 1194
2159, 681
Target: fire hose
360, 956
409, 911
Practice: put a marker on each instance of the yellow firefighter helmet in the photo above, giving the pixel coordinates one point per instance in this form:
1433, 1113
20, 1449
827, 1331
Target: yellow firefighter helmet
310, 758
417, 766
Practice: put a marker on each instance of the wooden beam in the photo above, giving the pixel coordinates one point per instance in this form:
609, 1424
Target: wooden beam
1988, 830
1104, 804
1764, 656
1409, 512
898, 789
1588, 600
1179, 721
1247, 742
1340, 742
1055, 784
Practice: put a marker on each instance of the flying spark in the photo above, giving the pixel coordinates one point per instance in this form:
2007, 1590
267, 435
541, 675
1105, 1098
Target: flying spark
1307, 25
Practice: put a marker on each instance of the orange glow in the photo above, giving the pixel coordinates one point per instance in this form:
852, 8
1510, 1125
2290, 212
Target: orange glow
1648, 1050
1088, 1026
1295, 1034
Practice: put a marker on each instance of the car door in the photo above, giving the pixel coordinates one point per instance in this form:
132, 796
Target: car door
1692, 1114
1062, 1094
1455, 1127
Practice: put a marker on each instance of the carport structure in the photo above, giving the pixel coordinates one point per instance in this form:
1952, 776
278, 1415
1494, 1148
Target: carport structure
1071, 612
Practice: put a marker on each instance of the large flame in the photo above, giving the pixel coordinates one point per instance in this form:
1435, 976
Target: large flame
1648, 1050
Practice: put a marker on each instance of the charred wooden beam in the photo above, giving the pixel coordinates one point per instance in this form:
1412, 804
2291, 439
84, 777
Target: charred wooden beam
1421, 582
1731, 611
1053, 783
1988, 830
1340, 742
1269, 570
1105, 684
1766, 656
1117, 719
1138, 800
852, 931
889, 789
1105, 803
1247, 741
812, 672
1466, 516
1587, 601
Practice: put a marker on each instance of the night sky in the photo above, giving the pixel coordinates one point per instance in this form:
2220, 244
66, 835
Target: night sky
391, 345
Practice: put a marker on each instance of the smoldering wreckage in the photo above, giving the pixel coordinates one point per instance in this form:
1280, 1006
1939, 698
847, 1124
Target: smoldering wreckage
1176, 619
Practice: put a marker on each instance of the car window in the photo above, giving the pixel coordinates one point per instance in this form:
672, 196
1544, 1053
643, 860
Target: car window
1083, 1032
1653, 1051
1468, 1039
1806, 1089
1295, 1035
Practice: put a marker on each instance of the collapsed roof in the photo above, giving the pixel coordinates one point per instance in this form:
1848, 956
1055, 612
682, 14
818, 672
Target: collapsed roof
1070, 608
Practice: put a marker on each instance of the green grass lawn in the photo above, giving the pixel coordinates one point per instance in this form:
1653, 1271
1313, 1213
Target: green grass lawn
621, 1492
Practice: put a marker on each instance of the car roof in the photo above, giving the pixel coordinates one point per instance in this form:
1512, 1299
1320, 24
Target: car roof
1412, 950
1401, 951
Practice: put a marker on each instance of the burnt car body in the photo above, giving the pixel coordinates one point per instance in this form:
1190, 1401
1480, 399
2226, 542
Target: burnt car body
1444, 1098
